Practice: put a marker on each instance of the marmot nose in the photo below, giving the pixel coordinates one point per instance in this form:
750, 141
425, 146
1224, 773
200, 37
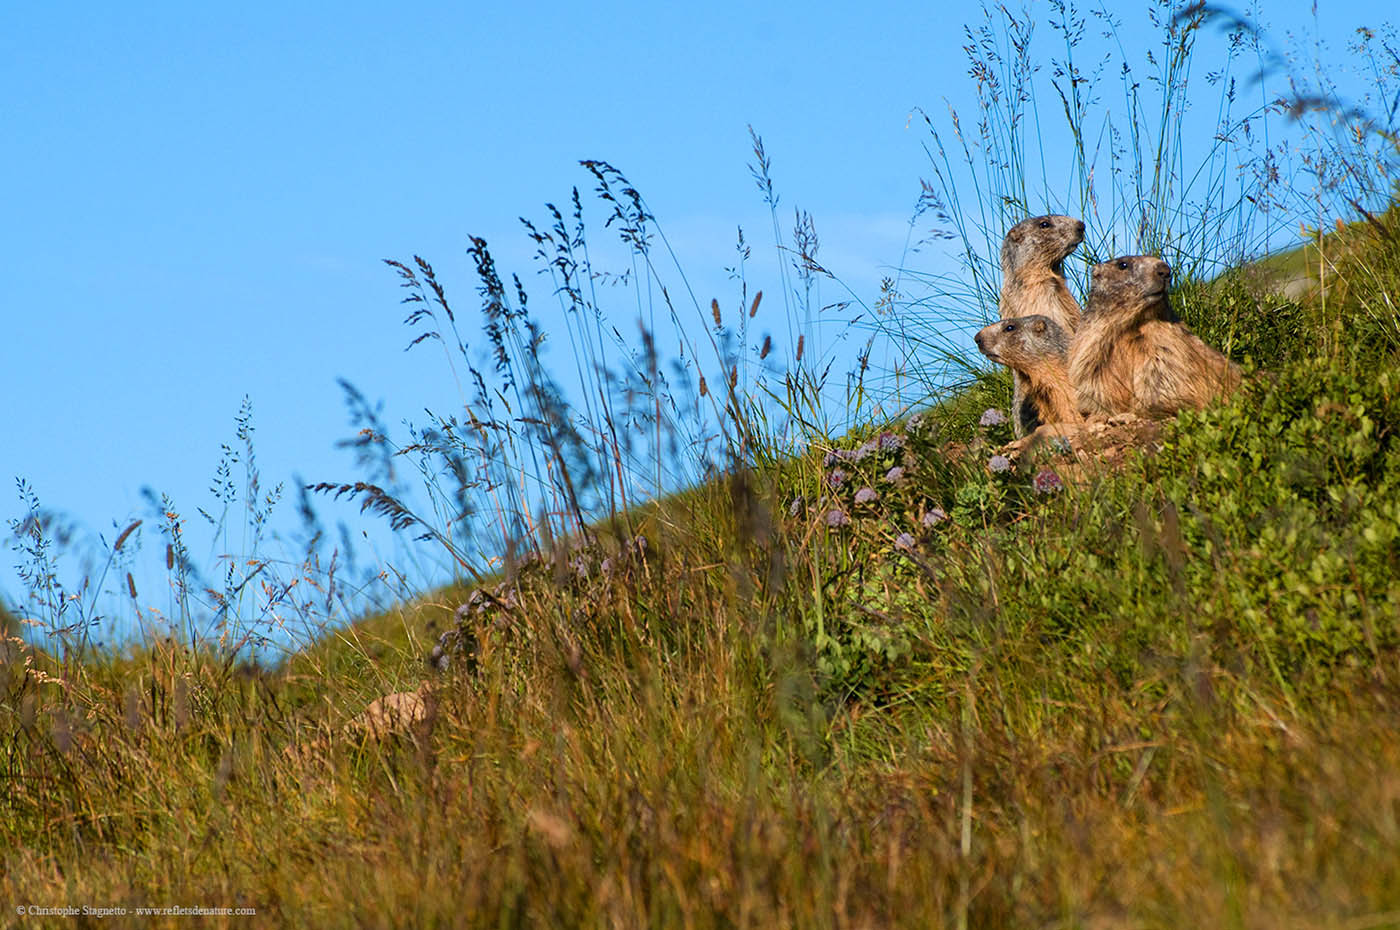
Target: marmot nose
1079, 227
978, 339
1163, 271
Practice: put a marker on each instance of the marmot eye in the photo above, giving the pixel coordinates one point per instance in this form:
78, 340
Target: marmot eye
1122, 266
1044, 224
1009, 328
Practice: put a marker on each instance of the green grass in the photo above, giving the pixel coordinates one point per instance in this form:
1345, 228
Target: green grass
1162, 698
864, 682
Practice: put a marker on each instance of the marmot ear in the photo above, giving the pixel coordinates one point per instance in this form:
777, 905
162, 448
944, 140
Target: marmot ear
1038, 327
1015, 234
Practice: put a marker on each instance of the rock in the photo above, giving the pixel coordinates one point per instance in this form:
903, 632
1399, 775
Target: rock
392, 715
1078, 451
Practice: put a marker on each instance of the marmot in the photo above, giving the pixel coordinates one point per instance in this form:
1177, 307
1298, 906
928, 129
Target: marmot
1132, 356
1036, 348
1033, 284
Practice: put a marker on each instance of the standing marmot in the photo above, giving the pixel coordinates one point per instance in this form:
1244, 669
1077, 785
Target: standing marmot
1033, 283
1036, 348
1131, 356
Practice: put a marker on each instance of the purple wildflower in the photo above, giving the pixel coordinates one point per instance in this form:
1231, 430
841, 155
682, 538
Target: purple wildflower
999, 463
934, 516
836, 477
894, 474
914, 423
837, 518
1047, 482
795, 507
891, 442
904, 541
864, 451
867, 495
992, 417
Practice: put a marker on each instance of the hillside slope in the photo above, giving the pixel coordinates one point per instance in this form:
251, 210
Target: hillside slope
885, 684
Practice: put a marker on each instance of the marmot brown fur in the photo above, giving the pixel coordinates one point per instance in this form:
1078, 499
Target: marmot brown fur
1033, 284
1130, 355
1037, 349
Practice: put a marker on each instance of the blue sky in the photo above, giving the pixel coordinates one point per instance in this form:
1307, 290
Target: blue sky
197, 197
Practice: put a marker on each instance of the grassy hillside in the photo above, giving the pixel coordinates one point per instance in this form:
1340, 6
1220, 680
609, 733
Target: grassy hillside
886, 677
1163, 697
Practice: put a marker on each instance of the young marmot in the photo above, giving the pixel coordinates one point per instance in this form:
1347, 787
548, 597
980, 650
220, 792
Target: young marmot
1033, 284
1035, 348
1130, 355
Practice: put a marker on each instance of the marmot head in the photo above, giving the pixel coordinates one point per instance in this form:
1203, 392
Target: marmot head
1040, 241
1023, 341
1130, 284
